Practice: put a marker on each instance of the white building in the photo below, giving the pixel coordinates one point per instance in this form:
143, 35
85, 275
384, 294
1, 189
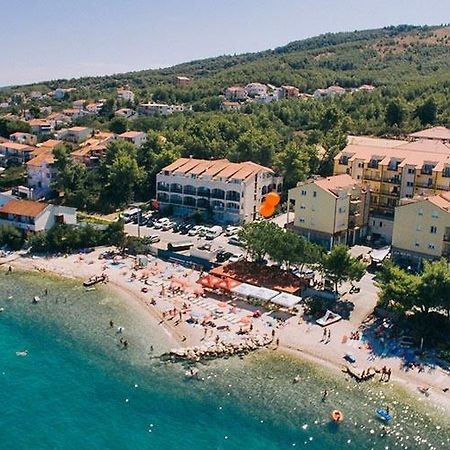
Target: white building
163, 109
35, 216
235, 93
330, 91
40, 174
135, 137
125, 94
76, 135
231, 192
128, 113
12, 152
256, 89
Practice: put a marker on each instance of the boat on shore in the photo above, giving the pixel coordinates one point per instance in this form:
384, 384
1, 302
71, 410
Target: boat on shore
95, 280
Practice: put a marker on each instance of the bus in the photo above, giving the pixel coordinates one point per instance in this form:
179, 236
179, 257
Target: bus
179, 246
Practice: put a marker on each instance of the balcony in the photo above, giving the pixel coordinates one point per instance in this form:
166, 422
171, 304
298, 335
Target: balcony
189, 190
163, 187
393, 193
371, 175
176, 188
218, 193
203, 192
425, 184
447, 234
392, 180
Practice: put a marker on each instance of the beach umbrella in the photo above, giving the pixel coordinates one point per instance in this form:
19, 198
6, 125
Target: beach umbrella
245, 319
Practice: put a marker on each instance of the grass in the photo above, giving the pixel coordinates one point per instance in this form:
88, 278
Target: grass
93, 219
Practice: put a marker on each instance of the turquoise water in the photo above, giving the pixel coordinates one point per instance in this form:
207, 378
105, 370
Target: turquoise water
77, 388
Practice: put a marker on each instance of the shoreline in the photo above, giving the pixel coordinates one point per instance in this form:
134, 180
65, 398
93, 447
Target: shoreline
181, 334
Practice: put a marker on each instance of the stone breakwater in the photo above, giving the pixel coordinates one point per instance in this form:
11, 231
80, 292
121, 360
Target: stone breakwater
219, 349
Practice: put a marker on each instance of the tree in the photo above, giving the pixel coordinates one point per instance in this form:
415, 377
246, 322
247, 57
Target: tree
118, 125
398, 288
10, 236
394, 114
339, 266
434, 287
121, 173
257, 237
426, 112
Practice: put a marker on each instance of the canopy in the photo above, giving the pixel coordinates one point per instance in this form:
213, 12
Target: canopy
209, 281
378, 255
248, 290
286, 300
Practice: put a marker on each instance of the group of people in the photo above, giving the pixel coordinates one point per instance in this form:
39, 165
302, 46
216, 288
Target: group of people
326, 336
123, 342
385, 374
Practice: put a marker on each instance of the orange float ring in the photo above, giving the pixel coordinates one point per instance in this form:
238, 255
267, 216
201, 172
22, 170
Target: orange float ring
337, 416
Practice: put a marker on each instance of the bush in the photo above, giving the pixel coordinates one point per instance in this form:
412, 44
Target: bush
11, 237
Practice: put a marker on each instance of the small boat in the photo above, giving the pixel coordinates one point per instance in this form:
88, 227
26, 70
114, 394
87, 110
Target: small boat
95, 280
384, 415
337, 416
2, 309
22, 353
329, 318
36, 299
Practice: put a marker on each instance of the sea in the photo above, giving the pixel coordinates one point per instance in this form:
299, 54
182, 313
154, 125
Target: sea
66, 382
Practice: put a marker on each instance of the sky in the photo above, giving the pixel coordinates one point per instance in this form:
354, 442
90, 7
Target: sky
50, 39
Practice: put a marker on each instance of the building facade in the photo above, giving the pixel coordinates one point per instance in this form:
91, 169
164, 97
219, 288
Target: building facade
23, 138
40, 174
330, 211
137, 138
422, 229
14, 153
33, 216
392, 170
228, 192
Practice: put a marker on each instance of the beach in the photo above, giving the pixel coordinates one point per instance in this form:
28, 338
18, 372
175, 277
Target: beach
169, 310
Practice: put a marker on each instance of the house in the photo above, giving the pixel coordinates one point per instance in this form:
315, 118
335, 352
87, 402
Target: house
135, 137
74, 113
230, 106
422, 229
366, 88
35, 95
75, 135
23, 138
256, 89
40, 174
49, 144
94, 149
94, 108
34, 216
79, 104
435, 133
60, 93
235, 93
392, 170
41, 126
128, 113
289, 91
330, 211
150, 109
330, 91
229, 192
125, 95
58, 120
182, 81
14, 153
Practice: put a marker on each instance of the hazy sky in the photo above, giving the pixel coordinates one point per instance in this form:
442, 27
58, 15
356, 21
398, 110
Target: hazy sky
47, 39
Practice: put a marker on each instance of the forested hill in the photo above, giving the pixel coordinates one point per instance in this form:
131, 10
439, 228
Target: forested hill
387, 56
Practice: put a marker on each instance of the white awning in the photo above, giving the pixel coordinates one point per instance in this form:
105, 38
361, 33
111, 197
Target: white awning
248, 290
286, 300
379, 255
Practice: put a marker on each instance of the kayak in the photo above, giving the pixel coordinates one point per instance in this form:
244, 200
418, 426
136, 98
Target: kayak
383, 414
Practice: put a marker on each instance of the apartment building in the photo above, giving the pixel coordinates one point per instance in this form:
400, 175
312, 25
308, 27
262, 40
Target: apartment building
23, 138
422, 229
137, 138
75, 135
40, 174
230, 192
163, 109
182, 81
330, 211
125, 95
41, 126
14, 153
234, 93
33, 216
256, 89
289, 91
392, 170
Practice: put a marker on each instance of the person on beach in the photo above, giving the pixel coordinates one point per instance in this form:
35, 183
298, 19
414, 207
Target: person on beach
273, 333
324, 335
183, 338
111, 323
388, 374
325, 395
277, 342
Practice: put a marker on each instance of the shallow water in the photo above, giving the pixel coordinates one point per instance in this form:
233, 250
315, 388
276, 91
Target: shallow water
77, 388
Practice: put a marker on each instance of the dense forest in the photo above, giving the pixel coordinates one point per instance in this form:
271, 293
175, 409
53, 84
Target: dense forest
408, 65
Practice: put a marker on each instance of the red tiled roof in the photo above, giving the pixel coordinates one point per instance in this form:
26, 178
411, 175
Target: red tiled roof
26, 208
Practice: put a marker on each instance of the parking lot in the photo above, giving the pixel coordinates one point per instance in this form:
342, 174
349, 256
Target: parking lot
166, 237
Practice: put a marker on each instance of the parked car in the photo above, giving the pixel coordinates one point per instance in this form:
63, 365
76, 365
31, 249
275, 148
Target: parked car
234, 240
195, 230
231, 230
168, 226
185, 228
222, 256
205, 246
160, 222
234, 258
130, 215
203, 231
214, 232
154, 238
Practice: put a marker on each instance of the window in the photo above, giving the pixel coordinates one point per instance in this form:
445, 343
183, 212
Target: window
431, 246
302, 206
360, 165
433, 229
411, 171
373, 164
314, 193
303, 192
358, 177
446, 172
409, 184
420, 212
301, 220
381, 224
417, 244
435, 215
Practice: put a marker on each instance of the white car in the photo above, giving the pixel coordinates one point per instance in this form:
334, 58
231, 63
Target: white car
231, 230
161, 222
234, 240
168, 226
234, 258
195, 230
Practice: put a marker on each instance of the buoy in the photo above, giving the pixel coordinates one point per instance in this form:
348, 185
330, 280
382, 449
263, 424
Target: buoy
337, 416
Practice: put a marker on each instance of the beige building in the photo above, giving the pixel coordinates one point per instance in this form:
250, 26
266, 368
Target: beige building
330, 211
422, 229
230, 192
137, 138
395, 169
